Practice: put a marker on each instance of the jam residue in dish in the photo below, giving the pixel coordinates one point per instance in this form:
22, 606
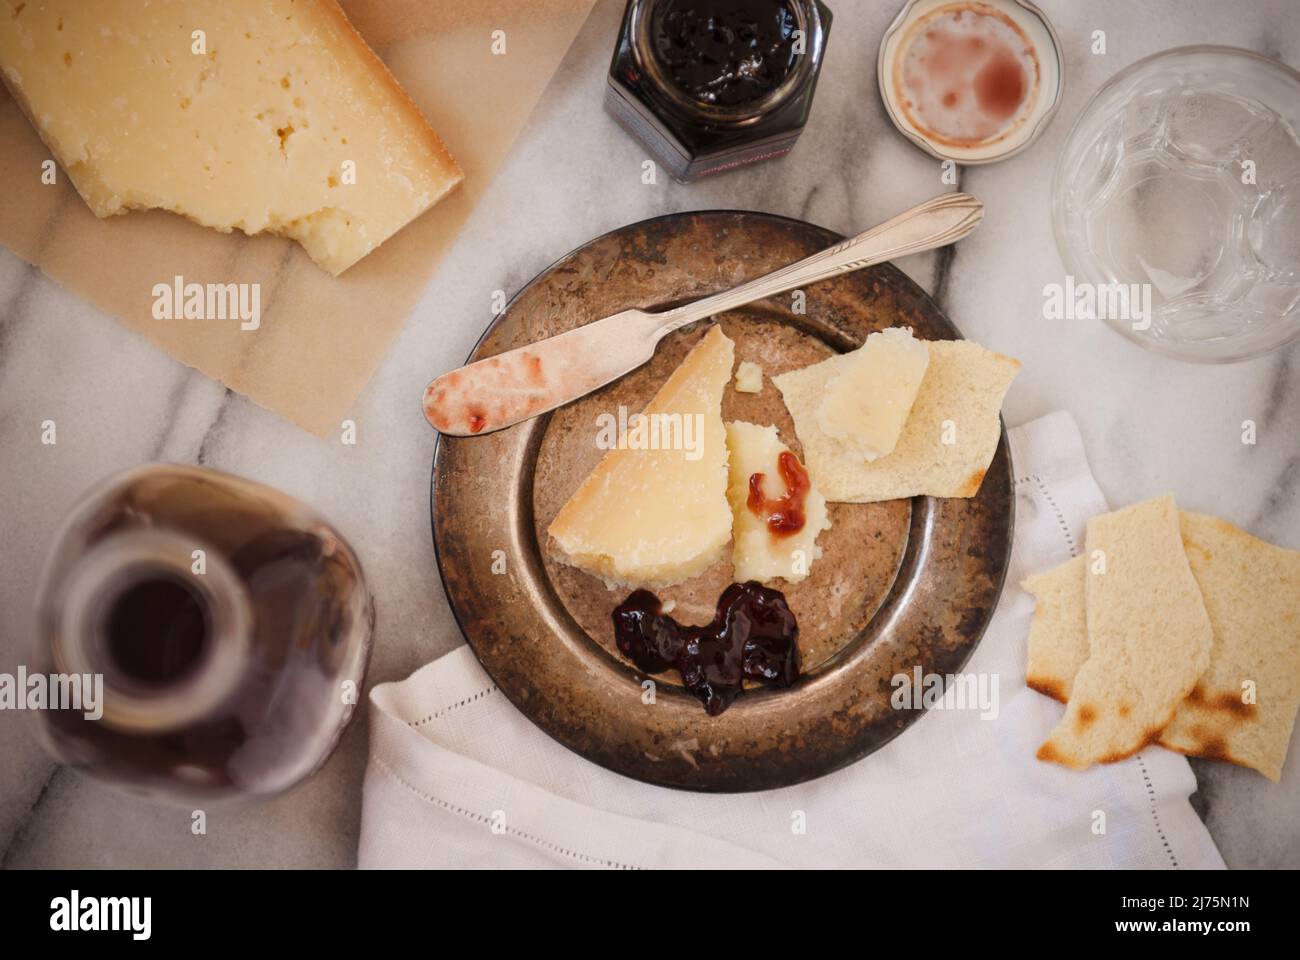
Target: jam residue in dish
726, 52
784, 514
752, 637
968, 75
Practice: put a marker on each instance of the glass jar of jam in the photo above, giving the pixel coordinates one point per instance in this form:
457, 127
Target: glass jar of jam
225, 625
710, 85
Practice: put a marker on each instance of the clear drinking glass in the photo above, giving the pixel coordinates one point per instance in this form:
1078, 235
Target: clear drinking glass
1182, 175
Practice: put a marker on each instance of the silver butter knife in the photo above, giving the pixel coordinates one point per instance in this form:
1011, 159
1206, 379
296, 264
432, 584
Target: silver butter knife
501, 391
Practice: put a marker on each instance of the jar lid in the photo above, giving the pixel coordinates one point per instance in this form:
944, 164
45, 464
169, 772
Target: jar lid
973, 81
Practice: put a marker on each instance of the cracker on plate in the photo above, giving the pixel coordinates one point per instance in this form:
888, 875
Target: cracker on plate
946, 445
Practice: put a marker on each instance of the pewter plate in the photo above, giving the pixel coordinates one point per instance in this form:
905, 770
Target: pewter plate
900, 584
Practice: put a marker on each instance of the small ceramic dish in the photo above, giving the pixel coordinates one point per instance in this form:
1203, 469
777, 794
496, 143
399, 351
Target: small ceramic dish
1008, 22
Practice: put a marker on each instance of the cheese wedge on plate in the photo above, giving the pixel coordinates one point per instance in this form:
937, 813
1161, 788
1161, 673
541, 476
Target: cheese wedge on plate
255, 115
760, 552
654, 512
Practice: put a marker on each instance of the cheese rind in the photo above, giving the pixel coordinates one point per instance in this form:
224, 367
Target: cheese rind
756, 553
277, 119
868, 400
655, 517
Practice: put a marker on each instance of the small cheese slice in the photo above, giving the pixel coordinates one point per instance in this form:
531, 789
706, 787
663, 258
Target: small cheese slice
757, 553
255, 115
654, 512
869, 398
749, 377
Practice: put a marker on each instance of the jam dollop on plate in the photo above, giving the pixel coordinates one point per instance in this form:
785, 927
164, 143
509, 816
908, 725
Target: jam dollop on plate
753, 636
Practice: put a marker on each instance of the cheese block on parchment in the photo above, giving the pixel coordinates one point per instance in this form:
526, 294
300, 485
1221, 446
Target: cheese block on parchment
1243, 708
1149, 637
757, 553
655, 517
255, 115
959, 401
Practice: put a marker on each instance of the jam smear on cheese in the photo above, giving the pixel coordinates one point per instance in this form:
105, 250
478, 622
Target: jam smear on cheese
752, 636
785, 514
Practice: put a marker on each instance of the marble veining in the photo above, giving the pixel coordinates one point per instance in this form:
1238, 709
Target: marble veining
1150, 424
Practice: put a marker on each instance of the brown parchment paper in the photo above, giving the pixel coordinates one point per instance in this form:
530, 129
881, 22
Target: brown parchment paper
321, 337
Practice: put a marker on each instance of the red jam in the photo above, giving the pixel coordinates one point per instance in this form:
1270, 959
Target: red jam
785, 514
752, 636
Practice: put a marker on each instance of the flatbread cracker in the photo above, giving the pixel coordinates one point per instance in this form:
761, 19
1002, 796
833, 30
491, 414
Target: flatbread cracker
1244, 707
1058, 634
960, 398
1149, 638
1251, 591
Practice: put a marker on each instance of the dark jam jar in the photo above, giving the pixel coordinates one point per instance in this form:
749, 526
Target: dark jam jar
710, 85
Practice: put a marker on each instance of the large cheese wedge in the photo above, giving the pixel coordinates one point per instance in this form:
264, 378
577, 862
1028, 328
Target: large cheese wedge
1149, 637
654, 511
1243, 708
947, 442
255, 115
760, 552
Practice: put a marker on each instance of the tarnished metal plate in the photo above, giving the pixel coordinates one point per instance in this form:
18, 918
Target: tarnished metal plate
900, 584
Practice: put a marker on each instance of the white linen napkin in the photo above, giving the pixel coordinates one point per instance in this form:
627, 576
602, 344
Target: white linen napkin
458, 777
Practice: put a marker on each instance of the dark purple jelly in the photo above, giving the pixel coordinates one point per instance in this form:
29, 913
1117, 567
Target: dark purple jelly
711, 85
753, 636
726, 52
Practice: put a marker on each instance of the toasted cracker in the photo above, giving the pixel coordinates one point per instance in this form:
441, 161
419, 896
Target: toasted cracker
1058, 634
1244, 707
960, 398
1149, 637
1251, 591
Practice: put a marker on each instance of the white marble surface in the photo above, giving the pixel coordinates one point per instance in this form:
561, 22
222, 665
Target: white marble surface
1150, 424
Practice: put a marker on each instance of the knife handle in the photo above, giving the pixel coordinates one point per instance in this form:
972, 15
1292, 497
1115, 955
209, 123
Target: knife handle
937, 222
